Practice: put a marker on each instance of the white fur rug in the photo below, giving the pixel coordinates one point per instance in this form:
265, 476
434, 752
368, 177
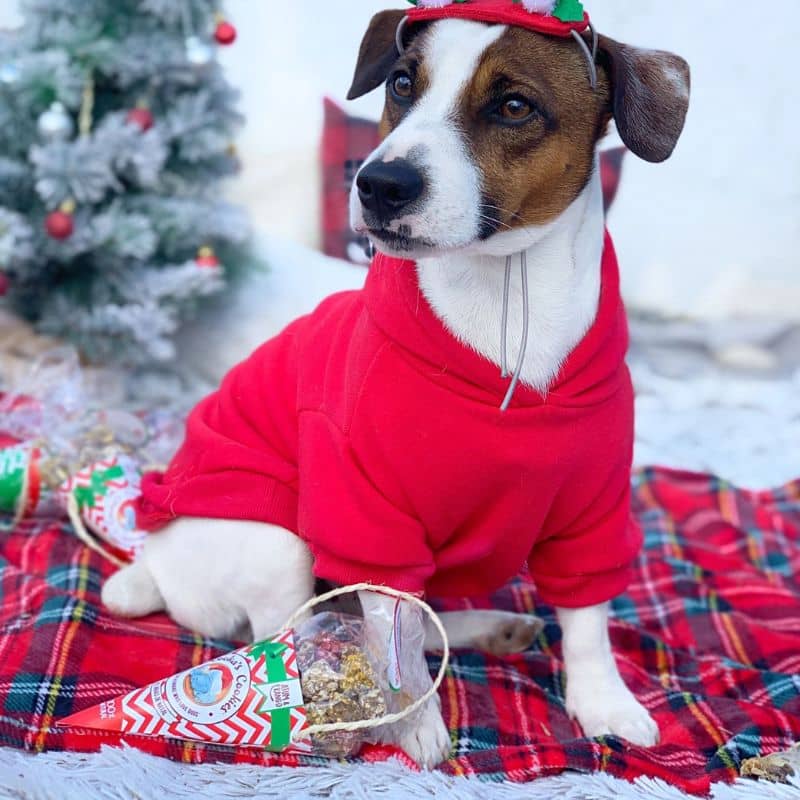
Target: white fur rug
118, 774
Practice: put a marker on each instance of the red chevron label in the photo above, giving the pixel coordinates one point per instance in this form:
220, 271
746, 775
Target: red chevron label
221, 701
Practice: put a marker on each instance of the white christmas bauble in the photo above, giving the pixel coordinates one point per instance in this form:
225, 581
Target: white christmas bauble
199, 53
55, 124
540, 6
9, 73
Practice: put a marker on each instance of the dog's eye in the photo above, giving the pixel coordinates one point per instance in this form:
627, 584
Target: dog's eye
515, 109
402, 87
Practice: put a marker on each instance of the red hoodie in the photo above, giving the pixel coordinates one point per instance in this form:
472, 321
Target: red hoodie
376, 436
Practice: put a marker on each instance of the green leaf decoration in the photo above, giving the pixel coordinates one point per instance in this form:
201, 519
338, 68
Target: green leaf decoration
569, 11
268, 649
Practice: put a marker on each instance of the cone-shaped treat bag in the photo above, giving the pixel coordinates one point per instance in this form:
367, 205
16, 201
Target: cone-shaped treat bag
318, 688
102, 498
249, 698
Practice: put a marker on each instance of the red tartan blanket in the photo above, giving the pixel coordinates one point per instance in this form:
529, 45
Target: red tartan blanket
708, 637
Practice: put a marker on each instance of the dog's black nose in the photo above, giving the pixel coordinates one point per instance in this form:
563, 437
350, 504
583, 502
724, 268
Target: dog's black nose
387, 188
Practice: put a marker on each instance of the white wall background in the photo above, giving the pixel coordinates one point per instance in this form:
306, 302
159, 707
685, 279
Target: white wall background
713, 232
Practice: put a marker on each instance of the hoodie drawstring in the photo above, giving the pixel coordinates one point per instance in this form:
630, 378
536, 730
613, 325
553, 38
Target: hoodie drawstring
525, 327
504, 323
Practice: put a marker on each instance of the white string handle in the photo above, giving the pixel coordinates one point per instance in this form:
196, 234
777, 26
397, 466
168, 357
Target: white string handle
74, 513
388, 719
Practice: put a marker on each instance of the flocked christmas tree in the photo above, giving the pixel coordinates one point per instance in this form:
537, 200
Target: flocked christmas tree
116, 128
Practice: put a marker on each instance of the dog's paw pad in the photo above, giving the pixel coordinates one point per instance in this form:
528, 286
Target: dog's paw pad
513, 635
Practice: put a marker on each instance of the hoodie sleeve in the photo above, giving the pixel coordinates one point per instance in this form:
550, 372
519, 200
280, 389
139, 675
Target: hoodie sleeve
239, 456
588, 559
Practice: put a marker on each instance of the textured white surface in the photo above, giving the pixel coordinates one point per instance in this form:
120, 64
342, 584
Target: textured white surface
117, 774
746, 430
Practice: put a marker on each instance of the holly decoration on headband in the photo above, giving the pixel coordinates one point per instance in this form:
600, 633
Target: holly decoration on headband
562, 10
569, 11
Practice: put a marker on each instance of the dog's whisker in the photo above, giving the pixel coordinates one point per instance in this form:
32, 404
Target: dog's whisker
511, 214
493, 220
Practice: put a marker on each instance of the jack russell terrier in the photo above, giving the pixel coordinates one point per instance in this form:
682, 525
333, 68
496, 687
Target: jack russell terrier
469, 411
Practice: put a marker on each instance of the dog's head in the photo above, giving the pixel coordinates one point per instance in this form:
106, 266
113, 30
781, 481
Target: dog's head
488, 129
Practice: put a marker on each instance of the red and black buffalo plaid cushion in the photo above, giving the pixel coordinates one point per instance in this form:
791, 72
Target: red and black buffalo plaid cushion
708, 637
346, 142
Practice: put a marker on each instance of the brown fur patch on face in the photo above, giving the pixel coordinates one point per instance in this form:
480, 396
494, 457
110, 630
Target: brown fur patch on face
533, 171
411, 63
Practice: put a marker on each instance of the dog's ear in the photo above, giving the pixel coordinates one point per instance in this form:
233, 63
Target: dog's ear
649, 97
377, 54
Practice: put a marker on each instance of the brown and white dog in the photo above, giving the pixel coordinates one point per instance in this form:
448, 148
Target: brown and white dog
489, 149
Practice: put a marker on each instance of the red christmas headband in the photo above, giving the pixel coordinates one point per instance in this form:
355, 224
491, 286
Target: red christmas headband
551, 17
564, 18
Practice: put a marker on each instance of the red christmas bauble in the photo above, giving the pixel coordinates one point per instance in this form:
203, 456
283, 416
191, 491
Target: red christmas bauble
5, 284
225, 33
207, 258
142, 117
59, 225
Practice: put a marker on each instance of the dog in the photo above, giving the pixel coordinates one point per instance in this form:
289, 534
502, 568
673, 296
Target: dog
489, 153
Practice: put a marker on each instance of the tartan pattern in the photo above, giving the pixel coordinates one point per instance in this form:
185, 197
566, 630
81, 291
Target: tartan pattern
347, 141
708, 636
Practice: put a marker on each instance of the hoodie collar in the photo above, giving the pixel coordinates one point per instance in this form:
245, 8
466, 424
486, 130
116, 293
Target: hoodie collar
591, 373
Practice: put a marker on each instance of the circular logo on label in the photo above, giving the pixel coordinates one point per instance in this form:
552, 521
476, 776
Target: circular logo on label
212, 692
120, 518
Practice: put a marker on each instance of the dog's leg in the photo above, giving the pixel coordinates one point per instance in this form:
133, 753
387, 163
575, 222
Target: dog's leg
132, 592
596, 694
500, 633
424, 736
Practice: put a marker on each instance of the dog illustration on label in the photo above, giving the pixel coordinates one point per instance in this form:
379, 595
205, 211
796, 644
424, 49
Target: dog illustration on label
207, 686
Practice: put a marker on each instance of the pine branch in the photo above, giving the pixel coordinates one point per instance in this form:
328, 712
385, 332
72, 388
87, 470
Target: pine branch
16, 240
79, 170
137, 156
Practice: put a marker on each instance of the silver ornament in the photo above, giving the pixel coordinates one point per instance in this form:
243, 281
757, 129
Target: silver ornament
199, 53
10, 73
55, 124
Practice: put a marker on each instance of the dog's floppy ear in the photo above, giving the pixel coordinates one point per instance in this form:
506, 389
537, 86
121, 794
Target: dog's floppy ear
377, 54
650, 97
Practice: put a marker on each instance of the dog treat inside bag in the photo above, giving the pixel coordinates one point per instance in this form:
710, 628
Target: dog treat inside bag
340, 681
321, 688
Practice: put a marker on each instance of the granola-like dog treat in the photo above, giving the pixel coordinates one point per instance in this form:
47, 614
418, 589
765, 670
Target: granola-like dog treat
339, 681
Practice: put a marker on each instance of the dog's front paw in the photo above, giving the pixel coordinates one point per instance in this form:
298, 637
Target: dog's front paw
427, 741
611, 711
